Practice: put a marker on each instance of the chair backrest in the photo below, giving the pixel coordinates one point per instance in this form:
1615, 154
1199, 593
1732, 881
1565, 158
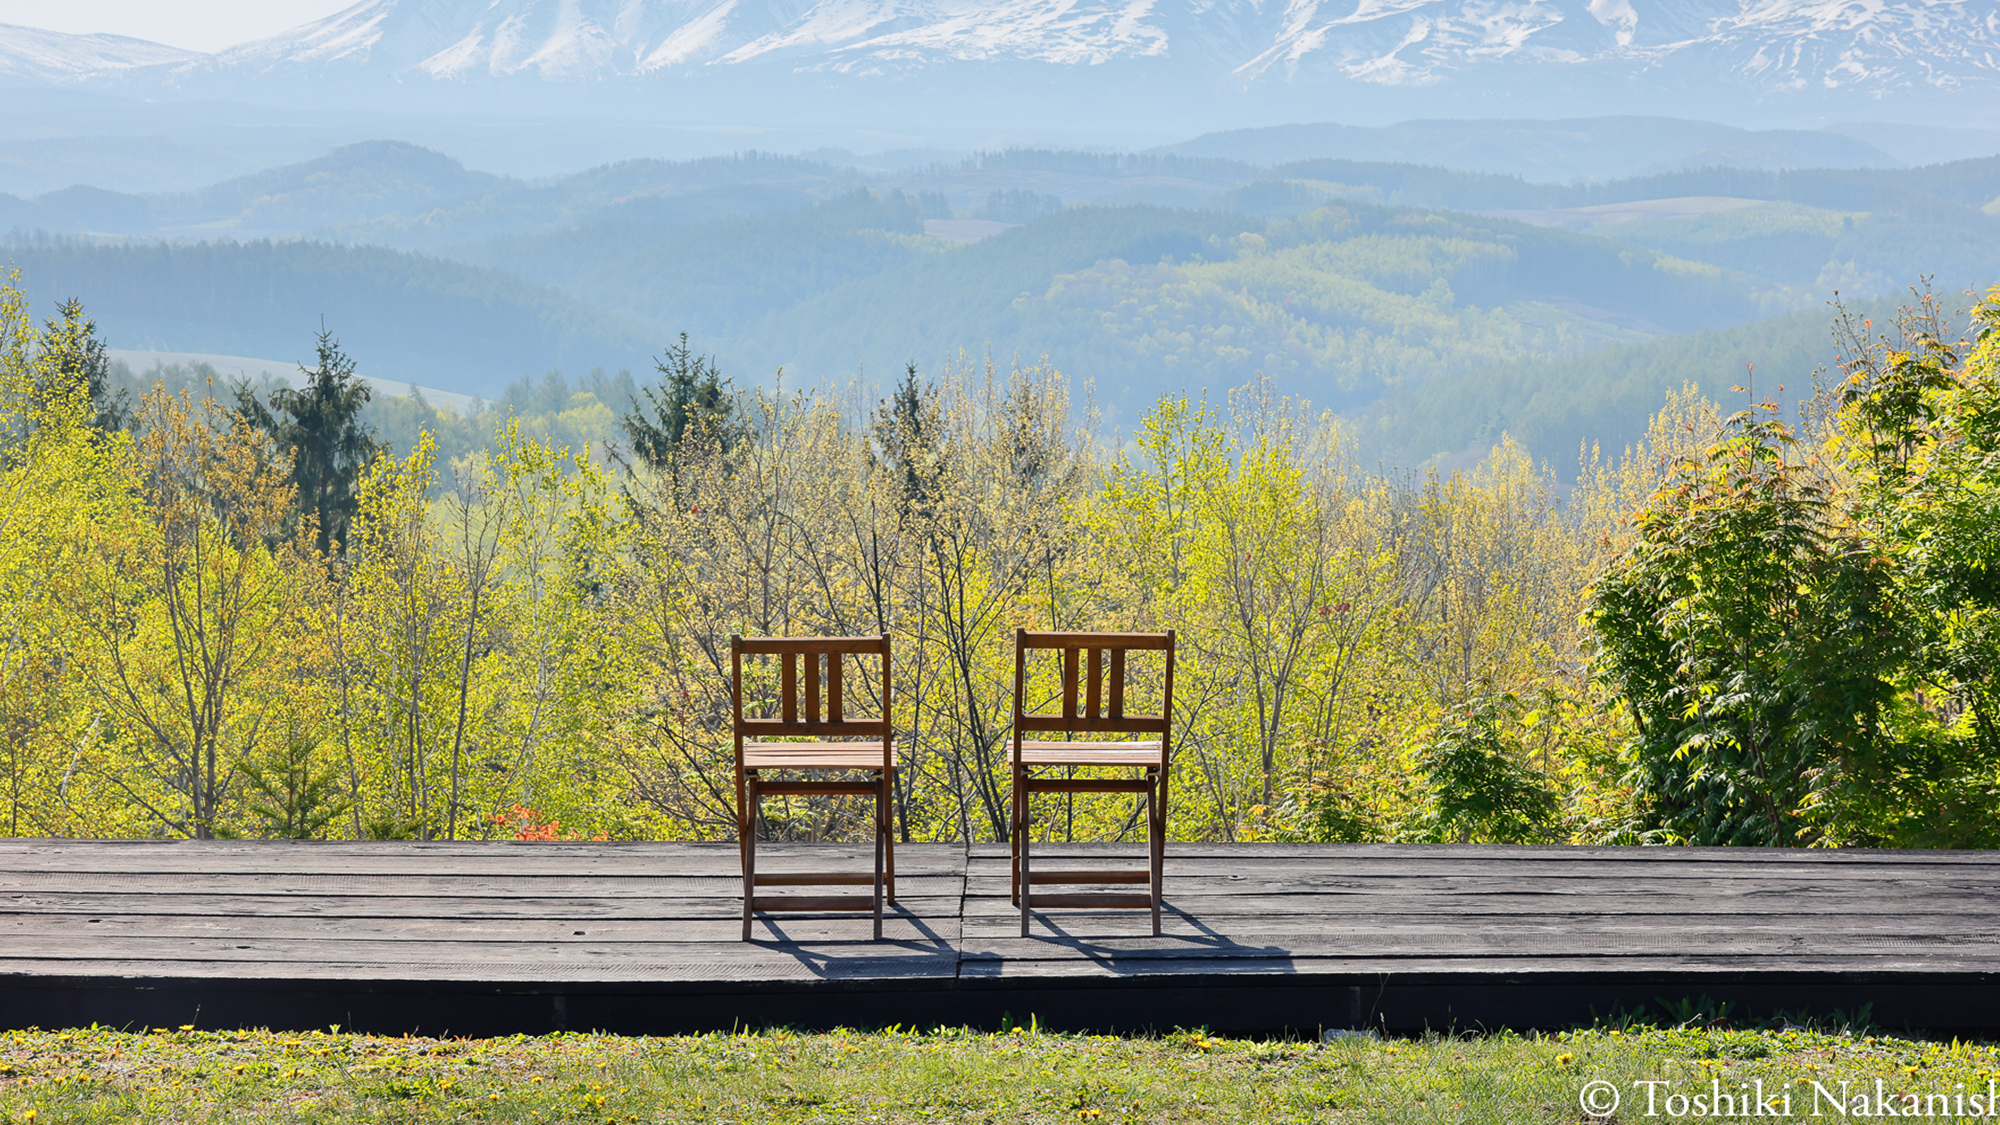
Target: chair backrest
815, 704
1093, 684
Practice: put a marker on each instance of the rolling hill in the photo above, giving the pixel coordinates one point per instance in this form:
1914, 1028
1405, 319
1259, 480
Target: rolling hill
406, 318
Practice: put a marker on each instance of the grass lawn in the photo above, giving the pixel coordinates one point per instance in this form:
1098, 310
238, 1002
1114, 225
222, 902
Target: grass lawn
958, 1076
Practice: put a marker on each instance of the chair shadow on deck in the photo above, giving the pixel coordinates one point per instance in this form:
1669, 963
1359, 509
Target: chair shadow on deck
819, 956
1205, 942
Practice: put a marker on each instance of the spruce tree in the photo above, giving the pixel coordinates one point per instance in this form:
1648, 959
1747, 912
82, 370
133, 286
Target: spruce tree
905, 434
320, 426
77, 353
693, 398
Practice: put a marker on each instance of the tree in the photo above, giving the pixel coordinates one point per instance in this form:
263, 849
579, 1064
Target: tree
320, 426
294, 796
57, 480
1918, 430
417, 623
693, 397
997, 551
904, 437
564, 669
1481, 789
75, 354
1749, 630
1235, 534
1807, 636
181, 607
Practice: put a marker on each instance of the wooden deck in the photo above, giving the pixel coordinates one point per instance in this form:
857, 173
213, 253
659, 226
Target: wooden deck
493, 938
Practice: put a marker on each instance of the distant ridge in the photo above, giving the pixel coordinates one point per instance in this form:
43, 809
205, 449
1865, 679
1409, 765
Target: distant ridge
1559, 150
416, 319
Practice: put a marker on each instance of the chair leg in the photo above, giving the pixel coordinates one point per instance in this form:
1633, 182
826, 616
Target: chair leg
746, 828
889, 833
1022, 882
881, 844
1015, 800
1155, 851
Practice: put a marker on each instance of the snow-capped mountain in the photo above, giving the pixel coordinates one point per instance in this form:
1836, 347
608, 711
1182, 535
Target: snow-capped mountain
50, 56
1539, 56
1876, 44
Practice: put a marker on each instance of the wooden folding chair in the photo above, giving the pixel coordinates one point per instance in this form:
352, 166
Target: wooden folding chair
821, 717
1101, 710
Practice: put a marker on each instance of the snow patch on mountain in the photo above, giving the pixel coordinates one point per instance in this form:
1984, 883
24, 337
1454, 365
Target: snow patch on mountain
1780, 44
51, 56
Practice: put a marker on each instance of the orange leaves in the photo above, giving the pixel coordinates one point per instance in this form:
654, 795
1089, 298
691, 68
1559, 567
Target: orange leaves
527, 824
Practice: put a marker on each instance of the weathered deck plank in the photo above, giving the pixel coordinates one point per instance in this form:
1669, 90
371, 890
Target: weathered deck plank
498, 937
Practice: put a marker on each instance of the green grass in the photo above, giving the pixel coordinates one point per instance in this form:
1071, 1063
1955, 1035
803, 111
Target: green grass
943, 1076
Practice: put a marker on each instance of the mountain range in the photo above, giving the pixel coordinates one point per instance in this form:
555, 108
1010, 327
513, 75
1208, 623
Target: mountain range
1160, 60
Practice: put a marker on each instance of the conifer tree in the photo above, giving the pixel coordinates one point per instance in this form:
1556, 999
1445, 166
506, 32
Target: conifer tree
320, 425
74, 354
693, 398
904, 438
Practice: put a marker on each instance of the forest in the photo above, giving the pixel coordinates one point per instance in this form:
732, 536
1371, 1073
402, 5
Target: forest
229, 611
1361, 286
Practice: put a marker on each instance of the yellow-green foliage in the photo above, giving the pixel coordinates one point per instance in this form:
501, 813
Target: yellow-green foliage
522, 643
58, 481
1804, 626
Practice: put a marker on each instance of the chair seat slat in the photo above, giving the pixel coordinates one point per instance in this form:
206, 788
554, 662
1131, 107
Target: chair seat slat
1091, 754
815, 755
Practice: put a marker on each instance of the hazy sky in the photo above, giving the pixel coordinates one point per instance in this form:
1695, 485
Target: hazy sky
197, 25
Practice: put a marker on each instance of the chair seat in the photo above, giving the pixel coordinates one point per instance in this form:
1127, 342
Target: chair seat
1092, 754
814, 755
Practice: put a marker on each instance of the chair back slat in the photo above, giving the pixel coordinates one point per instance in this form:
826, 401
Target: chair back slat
1117, 684
812, 700
1069, 683
1096, 682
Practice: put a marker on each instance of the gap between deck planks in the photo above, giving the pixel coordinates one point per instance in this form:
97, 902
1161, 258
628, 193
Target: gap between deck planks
83, 915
